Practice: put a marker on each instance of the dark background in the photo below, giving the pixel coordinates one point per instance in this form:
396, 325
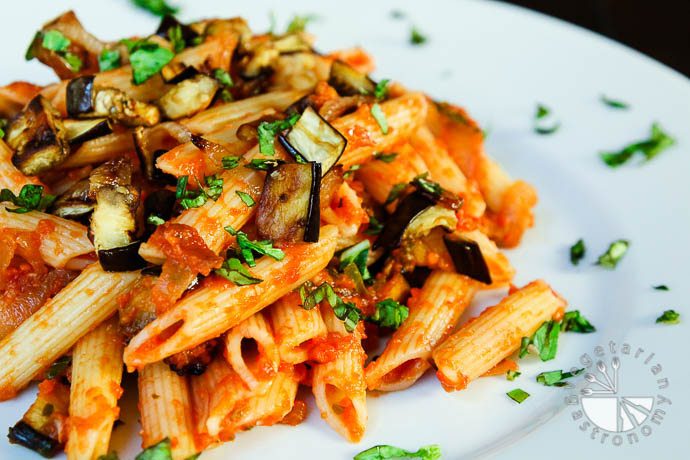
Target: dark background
658, 28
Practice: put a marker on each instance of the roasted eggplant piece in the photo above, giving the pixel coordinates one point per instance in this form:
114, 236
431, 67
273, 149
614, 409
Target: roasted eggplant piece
161, 204
418, 276
148, 157
410, 207
79, 96
75, 203
194, 360
78, 131
38, 137
122, 259
468, 259
23, 434
188, 97
169, 22
175, 72
288, 209
293, 43
313, 139
348, 81
430, 218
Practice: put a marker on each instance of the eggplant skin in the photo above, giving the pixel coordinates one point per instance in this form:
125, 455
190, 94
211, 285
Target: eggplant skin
122, 259
78, 131
283, 210
75, 202
79, 96
468, 259
314, 139
348, 81
114, 219
115, 104
188, 97
23, 434
37, 135
394, 229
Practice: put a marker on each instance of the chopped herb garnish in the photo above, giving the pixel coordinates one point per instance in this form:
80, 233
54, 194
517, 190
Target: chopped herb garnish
195, 198
263, 164
108, 60
30, 198
613, 254
381, 91
389, 313
230, 162
268, 130
395, 192
110, 456
3, 125
223, 77
386, 157
351, 171
154, 220
543, 112
345, 311
512, 375
246, 246
146, 58
518, 395
577, 252
58, 367
160, 451
575, 322
299, 23
650, 148
416, 37
246, 198
226, 96
380, 118
614, 103
196, 41
556, 378
356, 254
662, 287
175, 38
427, 185
374, 227
383, 452
157, 7
54, 41
669, 317
545, 341
234, 271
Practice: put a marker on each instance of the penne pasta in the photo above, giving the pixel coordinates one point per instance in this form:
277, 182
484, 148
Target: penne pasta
484, 341
294, 327
101, 149
94, 391
10, 177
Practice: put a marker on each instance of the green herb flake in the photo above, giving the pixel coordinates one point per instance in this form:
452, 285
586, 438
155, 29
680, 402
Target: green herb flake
577, 252
157, 7
175, 38
226, 96
395, 193
246, 198
223, 77
669, 317
246, 246
661, 287
512, 375
147, 59
58, 367
74, 62
386, 157
154, 220
557, 378
613, 254
3, 125
195, 198
389, 313
545, 341
351, 171
53, 40
268, 130
30, 198
421, 182
383, 452
518, 395
575, 322
263, 164
658, 142
374, 227
614, 103
299, 23
230, 162
108, 60
380, 118
109, 456
356, 254
416, 37
381, 91
160, 451
345, 311
234, 271
539, 128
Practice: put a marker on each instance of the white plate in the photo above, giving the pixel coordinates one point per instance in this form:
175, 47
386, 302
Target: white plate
498, 62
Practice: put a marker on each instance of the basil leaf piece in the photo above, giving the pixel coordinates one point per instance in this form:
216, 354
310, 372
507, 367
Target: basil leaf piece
195, 198
395, 192
299, 23
539, 127
262, 164
53, 40
157, 7
416, 37
574, 321
108, 60
230, 162
356, 254
389, 313
524, 347
109, 456
518, 395
246, 198
345, 311
175, 38
234, 271
160, 451
30, 198
613, 254
154, 220
557, 378
58, 367
3, 124
614, 103
374, 227
512, 375
658, 142
386, 157
268, 130
546, 340
147, 59
661, 287
246, 246
223, 77
577, 252
383, 452
380, 118
669, 317
351, 171
381, 91
427, 185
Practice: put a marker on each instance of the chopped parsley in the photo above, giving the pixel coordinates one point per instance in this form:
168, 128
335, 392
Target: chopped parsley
614, 103
380, 118
357, 255
542, 113
669, 317
299, 23
157, 7
556, 378
544, 340
58, 367
345, 311
154, 220
427, 185
234, 271
512, 375
268, 130
389, 313
395, 193
246, 246
613, 254
374, 227
649, 148
381, 91
383, 452
416, 37
230, 162
160, 451
662, 287
108, 60
246, 198
262, 164
195, 198
223, 77
3, 125
53, 40
351, 171
386, 157
30, 198
577, 252
575, 322
146, 58
518, 395
175, 38
109, 456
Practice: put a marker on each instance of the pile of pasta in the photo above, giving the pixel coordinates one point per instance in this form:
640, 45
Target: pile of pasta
233, 216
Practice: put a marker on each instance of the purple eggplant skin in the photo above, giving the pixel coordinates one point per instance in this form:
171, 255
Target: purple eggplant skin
409, 208
468, 259
122, 259
79, 97
313, 227
300, 105
291, 150
23, 434
170, 21
152, 270
417, 277
188, 72
97, 130
160, 203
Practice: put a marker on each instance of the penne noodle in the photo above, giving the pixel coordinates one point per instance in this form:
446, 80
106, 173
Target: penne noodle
61, 239
502, 273
57, 325
484, 341
166, 410
101, 149
10, 177
345, 212
434, 311
216, 305
94, 391
294, 327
